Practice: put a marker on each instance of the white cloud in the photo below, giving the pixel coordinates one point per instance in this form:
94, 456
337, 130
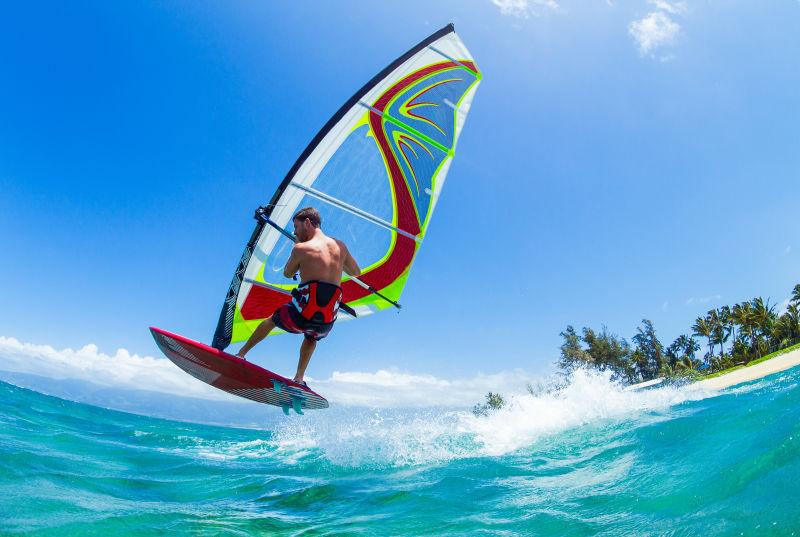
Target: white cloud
383, 388
525, 8
392, 388
654, 31
675, 8
89, 364
702, 299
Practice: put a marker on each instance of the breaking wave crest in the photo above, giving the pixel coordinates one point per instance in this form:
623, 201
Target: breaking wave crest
399, 437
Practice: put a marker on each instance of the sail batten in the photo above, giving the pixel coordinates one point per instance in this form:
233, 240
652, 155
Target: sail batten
436, 50
378, 166
355, 210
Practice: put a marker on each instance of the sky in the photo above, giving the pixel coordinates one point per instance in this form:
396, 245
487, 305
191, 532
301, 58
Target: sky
621, 161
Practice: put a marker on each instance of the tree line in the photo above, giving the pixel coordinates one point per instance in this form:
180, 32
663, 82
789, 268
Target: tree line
734, 335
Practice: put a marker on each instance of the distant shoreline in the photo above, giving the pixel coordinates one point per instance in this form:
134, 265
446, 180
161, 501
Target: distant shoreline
779, 363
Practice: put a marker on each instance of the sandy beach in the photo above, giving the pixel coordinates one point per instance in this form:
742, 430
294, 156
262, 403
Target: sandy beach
774, 365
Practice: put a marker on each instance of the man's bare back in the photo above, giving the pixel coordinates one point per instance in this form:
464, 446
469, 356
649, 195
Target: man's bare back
320, 258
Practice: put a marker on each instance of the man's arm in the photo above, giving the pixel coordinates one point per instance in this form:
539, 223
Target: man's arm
293, 264
350, 265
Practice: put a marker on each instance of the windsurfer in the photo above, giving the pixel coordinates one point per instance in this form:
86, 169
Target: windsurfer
315, 302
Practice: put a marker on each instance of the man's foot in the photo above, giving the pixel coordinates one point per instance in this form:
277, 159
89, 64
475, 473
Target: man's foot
302, 383
240, 355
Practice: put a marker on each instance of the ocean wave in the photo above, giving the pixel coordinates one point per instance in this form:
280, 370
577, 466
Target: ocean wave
400, 437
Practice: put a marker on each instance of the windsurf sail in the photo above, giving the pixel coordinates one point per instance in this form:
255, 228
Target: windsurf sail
374, 172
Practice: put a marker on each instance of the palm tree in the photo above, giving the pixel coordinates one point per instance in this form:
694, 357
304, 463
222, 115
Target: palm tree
719, 329
738, 316
702, 328
786, 329
726, 317
743, 316
795, 295
639, 360
763, 317
686, 364
723, 362
781, 332
793, 316
684, 346
688, 345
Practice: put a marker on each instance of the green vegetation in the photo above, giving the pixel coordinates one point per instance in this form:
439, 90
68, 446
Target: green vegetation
754, 362
736, 336
494, 401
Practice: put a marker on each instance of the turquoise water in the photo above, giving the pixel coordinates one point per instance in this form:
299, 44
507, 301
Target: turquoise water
589, 460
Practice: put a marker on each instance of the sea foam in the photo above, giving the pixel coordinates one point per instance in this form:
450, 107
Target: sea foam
398, 437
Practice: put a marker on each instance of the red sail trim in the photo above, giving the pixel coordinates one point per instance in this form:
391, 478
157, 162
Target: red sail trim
390, 94
262, 302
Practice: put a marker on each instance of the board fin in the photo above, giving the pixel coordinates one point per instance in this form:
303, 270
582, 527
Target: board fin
277, 386
297, 405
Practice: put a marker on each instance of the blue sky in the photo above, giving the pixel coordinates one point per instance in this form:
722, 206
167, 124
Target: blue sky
622, 160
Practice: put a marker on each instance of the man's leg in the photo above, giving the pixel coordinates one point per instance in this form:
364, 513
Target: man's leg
306, 350
260, 333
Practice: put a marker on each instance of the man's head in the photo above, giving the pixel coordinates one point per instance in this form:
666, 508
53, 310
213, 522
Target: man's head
306, 221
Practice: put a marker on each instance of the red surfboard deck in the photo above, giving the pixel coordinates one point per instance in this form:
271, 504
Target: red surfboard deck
234, 375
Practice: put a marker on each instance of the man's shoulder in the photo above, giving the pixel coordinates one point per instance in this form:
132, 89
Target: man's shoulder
338, 242
301, 246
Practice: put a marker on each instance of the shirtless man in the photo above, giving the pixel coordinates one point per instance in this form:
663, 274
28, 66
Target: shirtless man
315, 302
